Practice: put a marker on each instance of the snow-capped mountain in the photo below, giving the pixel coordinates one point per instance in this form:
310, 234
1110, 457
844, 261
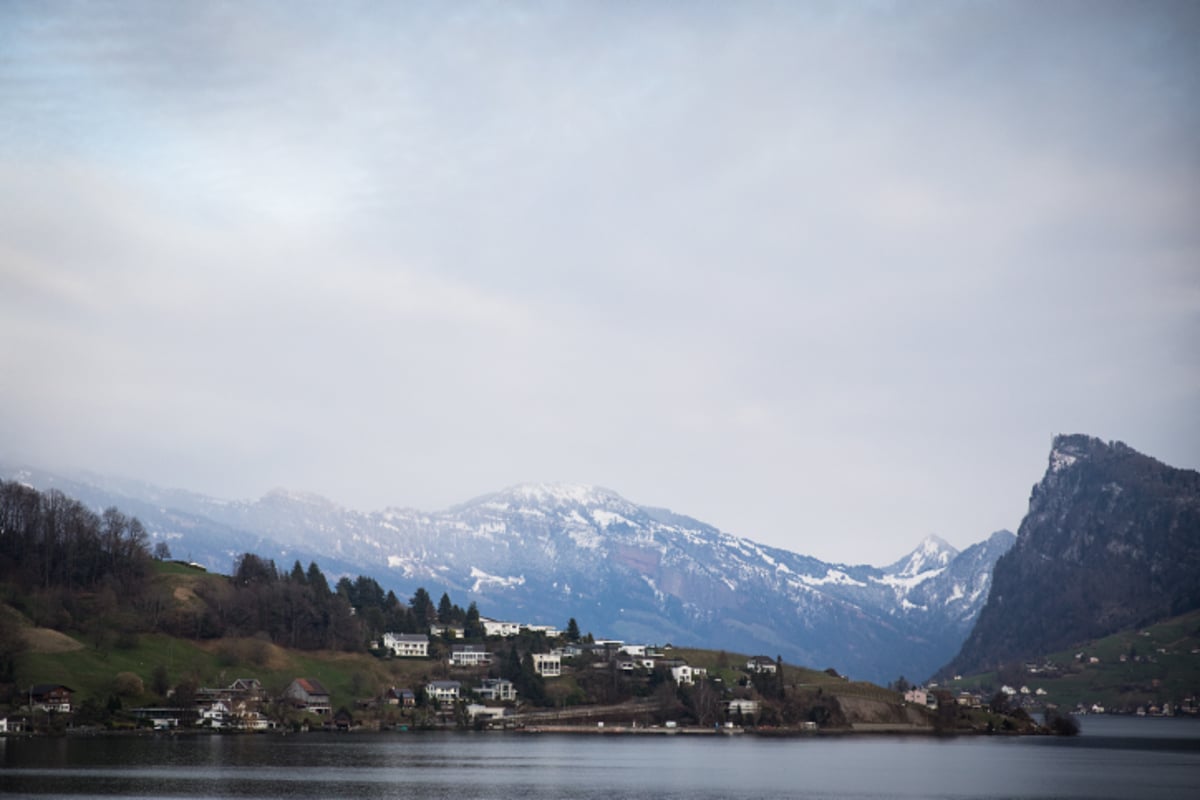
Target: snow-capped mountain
548, 552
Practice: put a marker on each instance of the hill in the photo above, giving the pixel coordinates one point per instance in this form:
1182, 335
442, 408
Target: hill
1155, 669
1111, 542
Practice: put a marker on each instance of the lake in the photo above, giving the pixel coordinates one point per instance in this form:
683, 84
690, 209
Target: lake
1115, 757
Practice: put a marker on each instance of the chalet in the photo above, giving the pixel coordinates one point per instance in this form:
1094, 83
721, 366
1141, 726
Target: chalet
406, 645
469, 655
444, 691
763, 664
51, 697
497, 690
548, 665
307, 694
247, 688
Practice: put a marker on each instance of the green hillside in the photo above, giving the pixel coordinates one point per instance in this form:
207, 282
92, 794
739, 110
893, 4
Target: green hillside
1147, 667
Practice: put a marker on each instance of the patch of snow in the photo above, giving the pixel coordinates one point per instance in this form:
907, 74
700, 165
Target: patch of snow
1060, 460
956, 594
907, 606
903, 581
483, 579
607, 518
831, 576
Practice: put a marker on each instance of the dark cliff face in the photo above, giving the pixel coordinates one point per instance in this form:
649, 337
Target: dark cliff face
1111, 541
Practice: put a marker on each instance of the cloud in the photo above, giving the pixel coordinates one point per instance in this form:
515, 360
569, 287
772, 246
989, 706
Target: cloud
826, 276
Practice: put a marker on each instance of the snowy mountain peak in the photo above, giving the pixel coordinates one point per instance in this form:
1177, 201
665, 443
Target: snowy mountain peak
932, 554
561, 494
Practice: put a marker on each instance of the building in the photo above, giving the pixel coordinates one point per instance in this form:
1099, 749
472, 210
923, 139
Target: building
548, 665
469, 655
407, 645
307, 694
764, 664
497, 690
746, 708
400, 697
493, 627
683, 674
51, 697
444, 691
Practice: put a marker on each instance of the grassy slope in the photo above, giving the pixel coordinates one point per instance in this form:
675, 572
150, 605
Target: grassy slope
1169, 670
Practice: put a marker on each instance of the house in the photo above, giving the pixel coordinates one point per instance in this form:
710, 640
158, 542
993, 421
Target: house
407, 645
548, 665
444, 691
497, 690
51, 697
399, 697
307, 694
683, 674
551, 631
764, 664
479, 711
343, 721
469, 655
747, 708
493, 627
917, 696
247, 688
451, 631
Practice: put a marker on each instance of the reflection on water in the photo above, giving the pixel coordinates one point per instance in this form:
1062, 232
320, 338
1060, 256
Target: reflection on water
1115, 758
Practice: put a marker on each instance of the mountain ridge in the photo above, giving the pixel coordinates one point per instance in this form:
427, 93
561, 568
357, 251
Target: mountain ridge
544, 552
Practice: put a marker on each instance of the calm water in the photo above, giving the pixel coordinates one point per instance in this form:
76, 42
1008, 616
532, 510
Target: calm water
1114, 758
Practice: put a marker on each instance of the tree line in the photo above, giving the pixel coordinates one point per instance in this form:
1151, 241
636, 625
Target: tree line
68, 568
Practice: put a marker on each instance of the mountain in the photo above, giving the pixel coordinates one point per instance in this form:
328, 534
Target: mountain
548, 552
1111, 541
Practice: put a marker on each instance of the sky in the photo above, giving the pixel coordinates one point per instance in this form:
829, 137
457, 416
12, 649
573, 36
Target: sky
828, 276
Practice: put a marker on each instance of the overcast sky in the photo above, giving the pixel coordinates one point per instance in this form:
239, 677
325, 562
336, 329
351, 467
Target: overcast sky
827, 276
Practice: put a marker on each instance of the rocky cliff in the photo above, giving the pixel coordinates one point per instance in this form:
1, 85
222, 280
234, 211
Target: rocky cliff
1111, 541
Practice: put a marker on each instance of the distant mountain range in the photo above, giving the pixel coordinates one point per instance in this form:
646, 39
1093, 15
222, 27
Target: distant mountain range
548, 552
1111, 542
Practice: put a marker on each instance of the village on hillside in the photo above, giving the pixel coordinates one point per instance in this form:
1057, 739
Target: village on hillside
510, 677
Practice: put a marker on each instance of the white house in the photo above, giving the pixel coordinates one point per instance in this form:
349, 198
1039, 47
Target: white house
469, 655
444, 690
478, 711
548, 665
746, 708
917, 696
407, 645
493, 627
683, 674
497, 689
761, 664
550, 631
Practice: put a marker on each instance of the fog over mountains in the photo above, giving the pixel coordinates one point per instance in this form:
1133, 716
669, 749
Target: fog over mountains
548, 552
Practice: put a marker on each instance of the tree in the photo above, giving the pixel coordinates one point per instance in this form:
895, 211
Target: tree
445, 611
162, 551
572, 630
473, 626
423, 608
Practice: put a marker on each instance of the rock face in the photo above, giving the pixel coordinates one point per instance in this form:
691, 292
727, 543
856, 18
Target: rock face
1111, 541
547, 552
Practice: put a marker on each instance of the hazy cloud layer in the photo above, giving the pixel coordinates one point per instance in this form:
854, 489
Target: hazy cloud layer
826, 276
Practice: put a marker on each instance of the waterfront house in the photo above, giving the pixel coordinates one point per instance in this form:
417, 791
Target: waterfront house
497, 690
307, 694
51, 697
